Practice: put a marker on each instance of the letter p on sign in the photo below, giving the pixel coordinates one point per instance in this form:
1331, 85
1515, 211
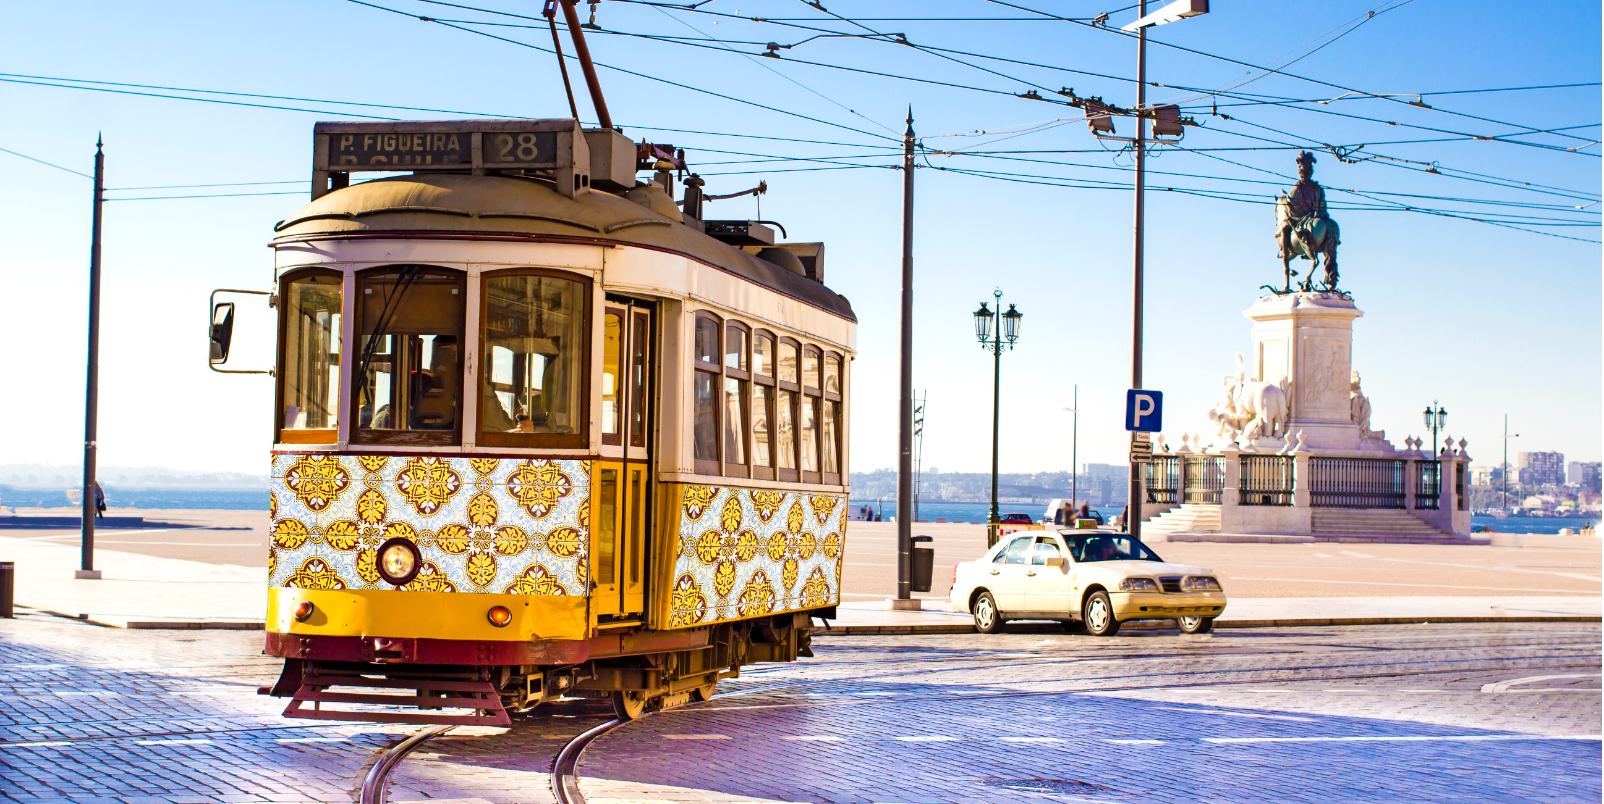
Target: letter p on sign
1144, 411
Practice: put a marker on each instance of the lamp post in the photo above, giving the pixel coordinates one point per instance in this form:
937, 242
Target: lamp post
1503, 471
1074, 438
992, 338
1435, 421
1175, 11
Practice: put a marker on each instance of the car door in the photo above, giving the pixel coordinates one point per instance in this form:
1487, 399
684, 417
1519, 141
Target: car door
1047, 587
1005, 577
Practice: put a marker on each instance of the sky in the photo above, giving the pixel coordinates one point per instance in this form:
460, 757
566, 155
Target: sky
1488, 320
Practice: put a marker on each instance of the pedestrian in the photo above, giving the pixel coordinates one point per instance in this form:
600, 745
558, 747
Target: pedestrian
1085, 511
100, 501
1125, 519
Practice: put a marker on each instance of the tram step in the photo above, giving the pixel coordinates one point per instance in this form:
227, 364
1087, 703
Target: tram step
478, 697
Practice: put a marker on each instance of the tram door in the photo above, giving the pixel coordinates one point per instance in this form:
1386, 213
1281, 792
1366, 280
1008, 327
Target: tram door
621, 488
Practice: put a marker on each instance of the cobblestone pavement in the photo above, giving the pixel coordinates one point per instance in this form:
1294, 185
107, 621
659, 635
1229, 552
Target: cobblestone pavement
1338, 714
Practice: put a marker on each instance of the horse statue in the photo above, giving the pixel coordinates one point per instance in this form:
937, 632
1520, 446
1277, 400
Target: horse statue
1263, 409
1304, 228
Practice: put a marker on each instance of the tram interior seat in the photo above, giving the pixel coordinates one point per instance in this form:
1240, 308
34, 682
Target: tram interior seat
434, 390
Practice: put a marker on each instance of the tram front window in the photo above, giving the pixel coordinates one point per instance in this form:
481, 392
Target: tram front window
409, 375
311, 354
534, 362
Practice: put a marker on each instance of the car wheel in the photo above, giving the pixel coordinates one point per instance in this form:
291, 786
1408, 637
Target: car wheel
1195, 625
988, 620
1098, 614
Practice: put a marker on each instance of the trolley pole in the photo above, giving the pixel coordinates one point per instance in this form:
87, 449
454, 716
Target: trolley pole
92, 383
1135, 496
905, 403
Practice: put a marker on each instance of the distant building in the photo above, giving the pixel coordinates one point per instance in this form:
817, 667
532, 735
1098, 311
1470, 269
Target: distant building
1484, 475
1583, 474
1542, 468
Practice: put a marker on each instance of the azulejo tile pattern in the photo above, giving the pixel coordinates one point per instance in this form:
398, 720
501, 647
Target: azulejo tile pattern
749, 552
482, 525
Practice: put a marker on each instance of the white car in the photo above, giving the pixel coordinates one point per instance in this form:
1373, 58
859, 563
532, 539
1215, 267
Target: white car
1097, 578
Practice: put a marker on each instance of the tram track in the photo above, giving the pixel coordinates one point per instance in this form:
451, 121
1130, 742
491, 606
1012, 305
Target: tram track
376, 784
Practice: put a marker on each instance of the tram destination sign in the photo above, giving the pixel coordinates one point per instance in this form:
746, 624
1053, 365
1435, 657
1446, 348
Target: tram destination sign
454, 145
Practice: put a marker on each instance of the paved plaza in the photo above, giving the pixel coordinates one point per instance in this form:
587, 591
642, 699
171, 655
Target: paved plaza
1468, 712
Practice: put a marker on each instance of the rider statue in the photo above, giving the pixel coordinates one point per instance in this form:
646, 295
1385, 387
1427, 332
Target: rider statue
1305, 229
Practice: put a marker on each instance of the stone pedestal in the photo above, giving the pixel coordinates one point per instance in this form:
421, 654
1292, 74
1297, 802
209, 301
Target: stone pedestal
1306, 339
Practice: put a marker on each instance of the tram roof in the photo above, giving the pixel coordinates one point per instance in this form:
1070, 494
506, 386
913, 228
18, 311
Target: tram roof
531, 208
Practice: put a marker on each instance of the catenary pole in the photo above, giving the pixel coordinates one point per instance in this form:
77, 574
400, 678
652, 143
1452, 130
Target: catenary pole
1074, 449
905, 403
92, 380
1135, 495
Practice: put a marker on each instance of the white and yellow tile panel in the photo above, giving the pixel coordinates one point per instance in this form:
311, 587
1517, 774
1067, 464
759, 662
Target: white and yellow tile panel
482, 525
750, 552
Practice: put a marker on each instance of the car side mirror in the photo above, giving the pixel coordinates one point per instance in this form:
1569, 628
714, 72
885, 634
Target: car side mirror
222, 331
1055, 561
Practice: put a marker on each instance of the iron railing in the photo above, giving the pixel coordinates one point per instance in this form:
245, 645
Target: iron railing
1428, 485
1203, 478
1266, 479
1459, 486
1163, 476
1356, 483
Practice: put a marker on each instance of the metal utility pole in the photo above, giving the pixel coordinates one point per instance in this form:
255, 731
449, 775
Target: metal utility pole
905, 403
92, 383
1135, 497
1504, 470
1074, 446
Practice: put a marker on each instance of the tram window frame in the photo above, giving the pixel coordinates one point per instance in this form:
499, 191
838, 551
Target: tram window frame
621, 373
434, 438
714, 372
742, 378
811, 402
790, 393
764, 470
318, 435
580, 438
834, 410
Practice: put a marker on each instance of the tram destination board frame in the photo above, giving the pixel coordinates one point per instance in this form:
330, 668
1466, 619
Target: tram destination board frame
474, 146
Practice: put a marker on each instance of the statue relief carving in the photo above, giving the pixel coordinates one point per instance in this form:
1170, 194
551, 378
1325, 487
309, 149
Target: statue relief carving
1251, 408
1322, 381
1359, 411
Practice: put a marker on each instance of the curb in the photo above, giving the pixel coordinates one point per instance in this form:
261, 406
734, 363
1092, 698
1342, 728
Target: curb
154, 625
1154, 625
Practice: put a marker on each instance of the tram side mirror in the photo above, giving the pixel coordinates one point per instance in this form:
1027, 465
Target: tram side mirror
222, 331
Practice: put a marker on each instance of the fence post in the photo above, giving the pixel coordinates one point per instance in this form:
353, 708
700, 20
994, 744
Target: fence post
1231, 490
1447, 499
1411, 474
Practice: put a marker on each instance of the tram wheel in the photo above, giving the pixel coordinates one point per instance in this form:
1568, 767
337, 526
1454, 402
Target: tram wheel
704, 692
1098, 615
988, 620
1195, 625
629, 704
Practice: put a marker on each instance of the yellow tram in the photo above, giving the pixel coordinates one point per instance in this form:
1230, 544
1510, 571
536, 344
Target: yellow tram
540, 429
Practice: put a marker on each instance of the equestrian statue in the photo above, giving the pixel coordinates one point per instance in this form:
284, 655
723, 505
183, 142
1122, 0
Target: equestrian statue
1305, 229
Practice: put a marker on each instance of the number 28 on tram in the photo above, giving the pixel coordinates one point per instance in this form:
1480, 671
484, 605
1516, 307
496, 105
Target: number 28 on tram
540, 430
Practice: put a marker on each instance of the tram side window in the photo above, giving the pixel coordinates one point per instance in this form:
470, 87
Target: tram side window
762, 405
833, 421
534, 377
311, 358
735, 384
705, 392
409, 372
785, 395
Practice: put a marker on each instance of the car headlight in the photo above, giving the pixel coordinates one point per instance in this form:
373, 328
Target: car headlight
1138, 585
1200, 583
398, 561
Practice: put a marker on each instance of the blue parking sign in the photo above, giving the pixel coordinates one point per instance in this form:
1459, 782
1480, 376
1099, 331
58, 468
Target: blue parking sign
1144, 411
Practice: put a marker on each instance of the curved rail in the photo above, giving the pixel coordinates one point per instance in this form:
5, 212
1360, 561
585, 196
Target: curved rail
564, 782
377, 782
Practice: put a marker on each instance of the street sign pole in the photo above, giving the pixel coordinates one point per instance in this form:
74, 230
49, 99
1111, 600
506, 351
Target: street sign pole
1144, 414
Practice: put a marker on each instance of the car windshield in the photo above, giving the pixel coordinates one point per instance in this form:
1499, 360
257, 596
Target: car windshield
1108, 547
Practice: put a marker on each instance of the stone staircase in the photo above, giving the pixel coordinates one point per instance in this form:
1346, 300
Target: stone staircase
1201, 523
1189, 518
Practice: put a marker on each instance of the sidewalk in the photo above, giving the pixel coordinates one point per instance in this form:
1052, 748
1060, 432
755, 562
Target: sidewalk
140, 591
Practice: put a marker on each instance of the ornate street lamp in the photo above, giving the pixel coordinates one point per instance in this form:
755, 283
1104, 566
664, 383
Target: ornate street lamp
993, 338
1435, 421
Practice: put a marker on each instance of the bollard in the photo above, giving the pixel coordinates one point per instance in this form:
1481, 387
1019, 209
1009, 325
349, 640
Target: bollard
923, 562
8, 587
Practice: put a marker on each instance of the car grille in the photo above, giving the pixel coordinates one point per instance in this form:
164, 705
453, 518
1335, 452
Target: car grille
1171, 584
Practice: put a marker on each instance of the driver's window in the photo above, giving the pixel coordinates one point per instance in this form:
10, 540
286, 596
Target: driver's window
408, 374
1045, 548
1018, 551
534, 377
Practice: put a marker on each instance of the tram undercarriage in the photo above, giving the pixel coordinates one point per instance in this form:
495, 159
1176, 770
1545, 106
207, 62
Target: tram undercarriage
638, 671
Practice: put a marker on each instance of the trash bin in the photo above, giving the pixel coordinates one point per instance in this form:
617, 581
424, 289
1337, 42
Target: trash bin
923, 563
8, 587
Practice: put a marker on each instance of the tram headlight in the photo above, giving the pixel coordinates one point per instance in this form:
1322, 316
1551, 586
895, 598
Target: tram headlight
303, 611
499, 616
1200, 583
399, 561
